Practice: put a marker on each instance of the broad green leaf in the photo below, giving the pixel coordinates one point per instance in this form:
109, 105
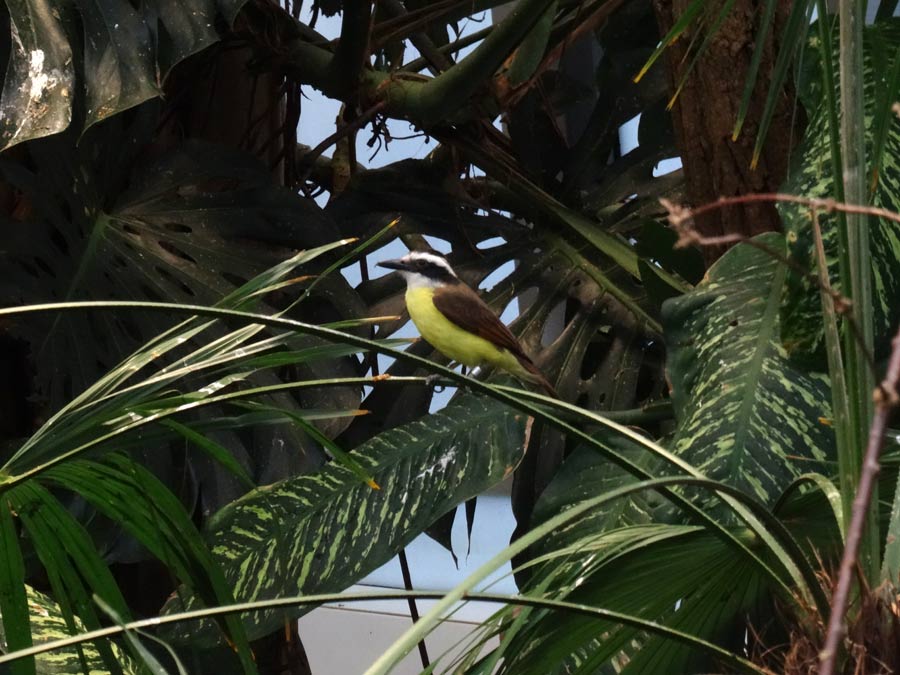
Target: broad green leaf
48, 624
585, 474
14, 610
679, 576
40, 78
324, 531
746, 415
812, 175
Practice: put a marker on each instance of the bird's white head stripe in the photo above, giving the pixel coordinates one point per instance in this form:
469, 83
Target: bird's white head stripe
429, 257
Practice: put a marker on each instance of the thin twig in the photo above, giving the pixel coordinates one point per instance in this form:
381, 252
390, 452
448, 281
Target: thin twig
413, 608
886, 398
826, 205
310, 157
681, 219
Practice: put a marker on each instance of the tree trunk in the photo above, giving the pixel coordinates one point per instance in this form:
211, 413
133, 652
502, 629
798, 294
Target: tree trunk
705, 112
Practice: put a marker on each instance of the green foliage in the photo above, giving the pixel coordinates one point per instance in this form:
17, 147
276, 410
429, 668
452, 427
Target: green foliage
812, 175
49, 623
320, 533
746, 415
147, 426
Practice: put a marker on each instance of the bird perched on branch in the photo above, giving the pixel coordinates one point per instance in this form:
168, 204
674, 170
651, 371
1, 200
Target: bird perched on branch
457, 322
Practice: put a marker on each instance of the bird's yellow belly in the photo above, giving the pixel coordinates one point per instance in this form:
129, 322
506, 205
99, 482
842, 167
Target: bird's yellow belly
448, 338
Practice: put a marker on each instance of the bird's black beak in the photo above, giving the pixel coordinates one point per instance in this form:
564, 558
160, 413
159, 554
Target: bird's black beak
394, 265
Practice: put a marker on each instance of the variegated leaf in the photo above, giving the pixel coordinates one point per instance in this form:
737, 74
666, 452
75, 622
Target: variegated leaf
746, 414
48, 624
812, 175
320, 533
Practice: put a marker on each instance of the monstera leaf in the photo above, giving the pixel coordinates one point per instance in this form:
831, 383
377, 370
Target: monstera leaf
813, 175
124, 53
320, 533
746, 415
189, 227
172, 235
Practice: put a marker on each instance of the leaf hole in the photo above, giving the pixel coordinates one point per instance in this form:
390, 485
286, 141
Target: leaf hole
168, 247
59, 241
150, 293
593, 358
554, 324
178, 228
174, 280
45, 268
30, 270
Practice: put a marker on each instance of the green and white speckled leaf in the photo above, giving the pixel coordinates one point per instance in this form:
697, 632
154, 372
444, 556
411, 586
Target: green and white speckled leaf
812, 175
48, 624
322, 532
747, 415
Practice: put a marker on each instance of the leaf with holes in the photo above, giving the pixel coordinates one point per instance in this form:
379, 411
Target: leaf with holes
746, 415
173, 236
190, 228
322, 532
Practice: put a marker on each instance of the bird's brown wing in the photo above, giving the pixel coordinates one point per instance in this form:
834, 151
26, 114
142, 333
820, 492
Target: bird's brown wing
467, 310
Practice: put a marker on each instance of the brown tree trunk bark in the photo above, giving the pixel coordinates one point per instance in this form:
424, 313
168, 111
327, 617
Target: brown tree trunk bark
705, 112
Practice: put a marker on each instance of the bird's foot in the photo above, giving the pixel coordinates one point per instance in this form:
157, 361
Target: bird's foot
432, 381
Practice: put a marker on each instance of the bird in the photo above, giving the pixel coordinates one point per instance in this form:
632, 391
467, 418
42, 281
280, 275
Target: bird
457, 322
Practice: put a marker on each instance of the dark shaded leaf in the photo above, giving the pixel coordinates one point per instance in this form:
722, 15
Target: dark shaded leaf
184, 28
40, 78
119, 58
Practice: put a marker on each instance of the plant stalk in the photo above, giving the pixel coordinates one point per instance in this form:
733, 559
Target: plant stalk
859, 286
887, 398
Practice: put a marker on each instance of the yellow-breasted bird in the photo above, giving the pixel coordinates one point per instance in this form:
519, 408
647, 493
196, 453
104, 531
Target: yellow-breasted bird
457, 322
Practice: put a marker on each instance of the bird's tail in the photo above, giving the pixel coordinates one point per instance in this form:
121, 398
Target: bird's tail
533, 374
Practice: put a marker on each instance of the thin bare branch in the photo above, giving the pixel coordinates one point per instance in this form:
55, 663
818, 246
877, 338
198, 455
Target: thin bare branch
886, 399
